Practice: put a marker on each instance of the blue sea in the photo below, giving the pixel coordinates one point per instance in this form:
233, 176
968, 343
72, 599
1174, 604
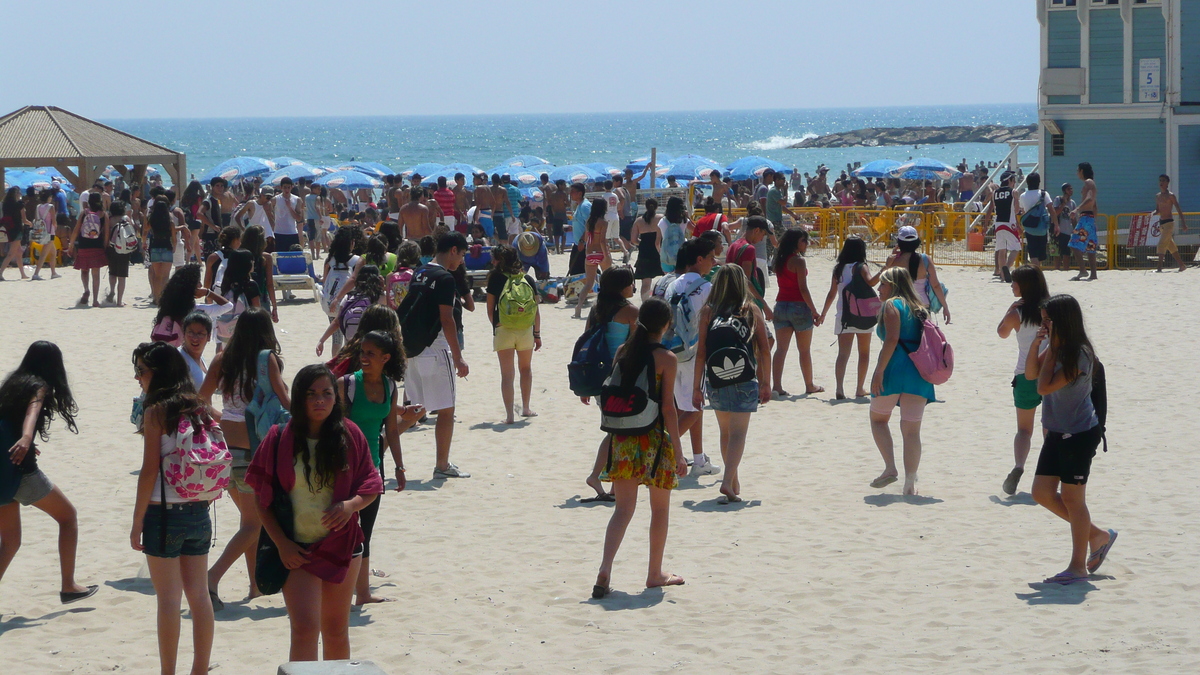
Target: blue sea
487, 140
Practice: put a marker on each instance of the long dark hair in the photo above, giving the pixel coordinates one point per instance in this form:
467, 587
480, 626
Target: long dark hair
651, 206
253, 333
375, 317
610, 299
254, 239
170, 384
1034, 292
330, 454
178, 297
674, 213
599, 210
42, 368
387, 343
192, 194
160, 217
789, 243
341, 248
854, 251
653, 317
1068, 334
369, 283
377, 250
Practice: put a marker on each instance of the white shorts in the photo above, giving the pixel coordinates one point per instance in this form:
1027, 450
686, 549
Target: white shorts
1007, 241
614, 228
429, 380
685, 379
450, 221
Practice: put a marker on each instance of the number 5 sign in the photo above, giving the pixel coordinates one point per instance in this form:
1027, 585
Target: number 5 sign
1149, 71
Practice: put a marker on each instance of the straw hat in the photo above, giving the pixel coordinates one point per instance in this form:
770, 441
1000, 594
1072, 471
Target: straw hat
528, 244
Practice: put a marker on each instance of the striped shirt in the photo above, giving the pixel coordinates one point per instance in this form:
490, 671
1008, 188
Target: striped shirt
514, 200
446, 200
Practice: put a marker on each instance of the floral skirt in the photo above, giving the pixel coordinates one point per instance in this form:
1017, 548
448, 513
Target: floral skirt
649, 459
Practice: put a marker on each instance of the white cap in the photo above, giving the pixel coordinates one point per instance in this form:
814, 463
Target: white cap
908, 233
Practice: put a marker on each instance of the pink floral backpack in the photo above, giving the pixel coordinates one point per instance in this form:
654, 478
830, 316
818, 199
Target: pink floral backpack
198, 468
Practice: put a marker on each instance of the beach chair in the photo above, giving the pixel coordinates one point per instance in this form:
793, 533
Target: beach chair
293, 272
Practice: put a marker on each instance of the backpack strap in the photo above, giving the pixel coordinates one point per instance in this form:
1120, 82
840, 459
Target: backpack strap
349, 386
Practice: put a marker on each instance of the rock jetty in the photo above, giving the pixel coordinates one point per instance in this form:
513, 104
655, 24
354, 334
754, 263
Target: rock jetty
987, 133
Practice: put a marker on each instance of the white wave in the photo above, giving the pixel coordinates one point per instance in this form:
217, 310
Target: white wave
776, 142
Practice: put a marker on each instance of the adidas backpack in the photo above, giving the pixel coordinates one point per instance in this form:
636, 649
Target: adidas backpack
729, 358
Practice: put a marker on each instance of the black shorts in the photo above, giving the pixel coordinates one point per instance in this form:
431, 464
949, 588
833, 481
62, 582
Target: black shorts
1035, 246
556, 224
1064, 244
366, 519
499, 227
1068, 457
118, 263
626, 227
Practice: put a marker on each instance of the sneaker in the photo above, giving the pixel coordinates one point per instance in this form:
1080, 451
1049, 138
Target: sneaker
1014, 478
705, 469
450, 472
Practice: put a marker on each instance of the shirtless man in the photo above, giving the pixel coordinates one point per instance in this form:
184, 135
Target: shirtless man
966, 183
462, 200
414, 216
501, 209
719, 188
556, 198
483, 205
1084, 240
1164, 202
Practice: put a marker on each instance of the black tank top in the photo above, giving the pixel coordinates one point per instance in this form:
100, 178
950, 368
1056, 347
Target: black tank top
1004, 202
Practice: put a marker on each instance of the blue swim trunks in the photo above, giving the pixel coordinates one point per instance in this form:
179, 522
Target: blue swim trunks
1084, 238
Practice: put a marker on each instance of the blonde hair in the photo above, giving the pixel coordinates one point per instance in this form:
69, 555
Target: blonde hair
730, 294
902, 287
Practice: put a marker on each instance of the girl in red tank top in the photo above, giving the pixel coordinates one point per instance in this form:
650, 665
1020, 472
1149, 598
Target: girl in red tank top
795, 312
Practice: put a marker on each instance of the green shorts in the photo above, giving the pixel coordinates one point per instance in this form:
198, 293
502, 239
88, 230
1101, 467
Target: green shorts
1025, 395
241, 461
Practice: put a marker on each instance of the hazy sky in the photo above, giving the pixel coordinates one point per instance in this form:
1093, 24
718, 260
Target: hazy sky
119, 59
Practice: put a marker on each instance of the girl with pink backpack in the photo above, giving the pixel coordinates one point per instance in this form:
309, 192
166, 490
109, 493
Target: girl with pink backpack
185, 465
898, 381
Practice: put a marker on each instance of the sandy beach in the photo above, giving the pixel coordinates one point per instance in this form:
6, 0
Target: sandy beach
815, 572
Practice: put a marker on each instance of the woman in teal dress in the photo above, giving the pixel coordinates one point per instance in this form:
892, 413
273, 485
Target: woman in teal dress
896, 381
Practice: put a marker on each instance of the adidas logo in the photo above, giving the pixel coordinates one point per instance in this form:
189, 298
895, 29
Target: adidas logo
730, 368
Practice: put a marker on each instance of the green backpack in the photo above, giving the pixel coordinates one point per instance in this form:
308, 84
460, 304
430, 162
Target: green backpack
518, 303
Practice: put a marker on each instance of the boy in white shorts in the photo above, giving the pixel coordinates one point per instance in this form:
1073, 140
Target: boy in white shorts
429, 308
1008, 227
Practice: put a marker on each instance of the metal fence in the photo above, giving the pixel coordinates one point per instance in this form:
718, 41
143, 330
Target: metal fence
1127, 256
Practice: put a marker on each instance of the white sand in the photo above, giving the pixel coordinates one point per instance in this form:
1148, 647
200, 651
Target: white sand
816, 572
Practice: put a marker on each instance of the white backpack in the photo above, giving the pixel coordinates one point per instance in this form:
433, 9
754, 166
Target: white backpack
124, 237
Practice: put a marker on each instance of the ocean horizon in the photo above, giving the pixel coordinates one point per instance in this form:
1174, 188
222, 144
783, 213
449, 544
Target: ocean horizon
485, 141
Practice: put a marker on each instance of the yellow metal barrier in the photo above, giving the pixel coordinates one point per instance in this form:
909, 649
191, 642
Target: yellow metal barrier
1125, 257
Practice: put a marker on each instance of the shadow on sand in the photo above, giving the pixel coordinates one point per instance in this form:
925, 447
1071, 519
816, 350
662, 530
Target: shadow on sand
888, 499
617, 601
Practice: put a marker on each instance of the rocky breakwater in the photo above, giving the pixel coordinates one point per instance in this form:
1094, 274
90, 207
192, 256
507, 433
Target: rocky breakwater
987, 133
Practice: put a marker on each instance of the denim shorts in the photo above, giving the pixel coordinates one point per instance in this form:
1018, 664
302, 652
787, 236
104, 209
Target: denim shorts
189, 530
162, 255
794, 315
736, 398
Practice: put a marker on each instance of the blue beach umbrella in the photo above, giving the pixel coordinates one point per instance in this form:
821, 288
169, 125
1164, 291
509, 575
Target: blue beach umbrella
25, 179
880, 168
448, 171
52, 173
523, 160
423, 169
522, 176
238, 167
640, 163
690, 167
295, 172
349, 180
749, 168
531, 193
605, 169
374, 169
924, 168
281, 162
575, 173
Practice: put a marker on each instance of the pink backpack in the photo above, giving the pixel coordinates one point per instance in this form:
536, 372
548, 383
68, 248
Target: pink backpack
167, 331
199, 466
934, 359
397, 285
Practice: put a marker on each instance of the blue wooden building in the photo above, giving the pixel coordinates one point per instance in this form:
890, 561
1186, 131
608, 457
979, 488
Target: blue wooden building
1120, 88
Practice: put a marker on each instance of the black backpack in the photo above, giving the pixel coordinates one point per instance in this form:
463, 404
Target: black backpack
591, 362
419, 314
630, 403
860, 303
729, 358
1100, 398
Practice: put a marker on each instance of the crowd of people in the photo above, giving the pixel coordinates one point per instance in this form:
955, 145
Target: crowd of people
304, 463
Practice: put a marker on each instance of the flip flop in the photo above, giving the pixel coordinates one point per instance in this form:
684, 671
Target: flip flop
726, 499
68, 598
1097, 559
598, 498
883, 481
217, 604
1064, 578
